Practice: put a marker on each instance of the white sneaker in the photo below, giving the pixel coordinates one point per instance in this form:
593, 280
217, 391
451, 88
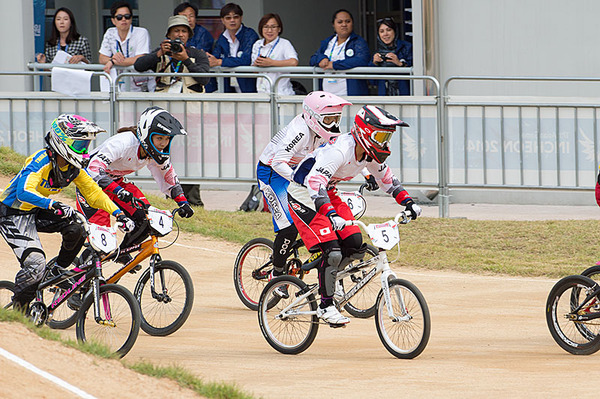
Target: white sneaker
331, 315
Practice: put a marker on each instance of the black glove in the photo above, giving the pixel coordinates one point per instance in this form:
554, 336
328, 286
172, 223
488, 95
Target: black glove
124, 196
125, 224
415, 210
63, 210
371, 183
185, 210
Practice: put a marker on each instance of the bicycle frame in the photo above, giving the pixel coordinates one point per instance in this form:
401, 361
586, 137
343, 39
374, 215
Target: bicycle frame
575, 314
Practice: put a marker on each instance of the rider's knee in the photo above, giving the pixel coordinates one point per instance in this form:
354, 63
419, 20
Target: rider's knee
72, 234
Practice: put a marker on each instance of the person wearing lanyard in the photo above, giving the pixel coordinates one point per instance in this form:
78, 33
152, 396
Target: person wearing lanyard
344, 50
233, 48
201, 38
273, 51
124, 44
65, 37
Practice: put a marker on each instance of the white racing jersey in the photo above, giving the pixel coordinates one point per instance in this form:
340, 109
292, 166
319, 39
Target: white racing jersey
118, 157
335, 162
290, 146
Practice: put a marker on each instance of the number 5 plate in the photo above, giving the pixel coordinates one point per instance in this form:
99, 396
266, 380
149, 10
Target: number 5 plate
385, 235
102, 238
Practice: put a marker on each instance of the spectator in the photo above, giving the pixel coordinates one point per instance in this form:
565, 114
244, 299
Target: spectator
124, 43
233, 48
344, 50
173, 57
273, 51
201, 38
65, 37
391, 52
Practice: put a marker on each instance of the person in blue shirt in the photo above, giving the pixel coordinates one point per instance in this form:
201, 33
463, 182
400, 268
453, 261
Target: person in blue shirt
392, 52
344, 50
202, 39
233, 48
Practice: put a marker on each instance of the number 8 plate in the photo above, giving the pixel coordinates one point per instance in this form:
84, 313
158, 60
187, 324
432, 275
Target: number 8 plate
102, 238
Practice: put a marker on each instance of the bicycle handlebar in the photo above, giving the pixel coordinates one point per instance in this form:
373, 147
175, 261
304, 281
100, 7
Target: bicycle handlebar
405, 215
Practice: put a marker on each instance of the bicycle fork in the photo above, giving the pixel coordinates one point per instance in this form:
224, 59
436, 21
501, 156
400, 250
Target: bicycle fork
107, 319
386, 275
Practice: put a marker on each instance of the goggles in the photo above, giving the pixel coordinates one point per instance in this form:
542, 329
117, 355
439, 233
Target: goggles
121, 16
381, 137
80, 146
331, 120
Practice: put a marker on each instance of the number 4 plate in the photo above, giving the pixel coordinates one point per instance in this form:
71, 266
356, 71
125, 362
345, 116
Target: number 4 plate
161, 221
385, 235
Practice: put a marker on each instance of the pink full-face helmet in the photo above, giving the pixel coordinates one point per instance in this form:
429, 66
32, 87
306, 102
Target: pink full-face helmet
322, 113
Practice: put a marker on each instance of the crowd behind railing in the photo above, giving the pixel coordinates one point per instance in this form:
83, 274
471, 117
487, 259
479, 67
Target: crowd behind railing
188, 54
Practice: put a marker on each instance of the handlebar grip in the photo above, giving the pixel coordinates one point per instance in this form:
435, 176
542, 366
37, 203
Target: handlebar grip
362, 187
138, 203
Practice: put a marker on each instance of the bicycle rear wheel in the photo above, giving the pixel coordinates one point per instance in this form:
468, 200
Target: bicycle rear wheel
119, 319
404, 334
63, 316
251, 270
293, 331
167, 310
7, 290
565, 305
363, 303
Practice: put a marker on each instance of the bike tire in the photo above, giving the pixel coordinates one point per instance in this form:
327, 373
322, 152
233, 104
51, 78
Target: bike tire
63, 317
405, 339
295, 333
364, 303
592, 272
251, 270
163, 317
575, 337
124, 312
7, 290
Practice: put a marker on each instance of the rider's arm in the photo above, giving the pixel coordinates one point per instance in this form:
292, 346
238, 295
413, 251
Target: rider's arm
290, 149
388, 182
94, 195
32, 177
326, 164
164, 175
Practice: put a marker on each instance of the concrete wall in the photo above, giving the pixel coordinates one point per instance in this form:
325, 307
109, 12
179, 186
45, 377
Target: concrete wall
519, 37
18, 45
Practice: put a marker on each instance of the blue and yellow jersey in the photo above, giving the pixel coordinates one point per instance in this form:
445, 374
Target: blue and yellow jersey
30, 188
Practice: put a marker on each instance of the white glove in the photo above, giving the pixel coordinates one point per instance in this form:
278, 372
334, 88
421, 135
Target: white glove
63, 210
337, 222
414, 209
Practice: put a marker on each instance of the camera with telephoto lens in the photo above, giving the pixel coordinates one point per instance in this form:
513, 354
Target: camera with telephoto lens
176, 46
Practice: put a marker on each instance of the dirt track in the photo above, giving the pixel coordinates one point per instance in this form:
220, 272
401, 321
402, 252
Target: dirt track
488, 337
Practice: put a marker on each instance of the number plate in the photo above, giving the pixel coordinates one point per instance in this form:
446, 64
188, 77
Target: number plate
384, 235
102, 238
355, 202
161, 221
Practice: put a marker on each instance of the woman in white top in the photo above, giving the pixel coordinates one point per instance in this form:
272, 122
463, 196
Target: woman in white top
273, 51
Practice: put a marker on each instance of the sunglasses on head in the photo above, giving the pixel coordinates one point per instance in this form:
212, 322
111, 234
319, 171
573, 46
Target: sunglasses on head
385, 19
121, 16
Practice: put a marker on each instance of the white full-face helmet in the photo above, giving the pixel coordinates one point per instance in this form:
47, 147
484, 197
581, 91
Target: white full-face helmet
322, 113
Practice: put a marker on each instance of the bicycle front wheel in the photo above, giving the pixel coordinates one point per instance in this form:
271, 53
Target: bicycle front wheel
363, 303
405, 333
566, 304
118, 322
7, 290
166, 309
251, 270
293, 330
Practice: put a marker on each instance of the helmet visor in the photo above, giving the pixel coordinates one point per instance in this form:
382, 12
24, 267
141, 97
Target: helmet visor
381, 137
79, 146
331, 120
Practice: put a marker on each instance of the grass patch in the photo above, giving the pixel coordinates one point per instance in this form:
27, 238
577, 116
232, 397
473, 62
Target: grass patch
178, 374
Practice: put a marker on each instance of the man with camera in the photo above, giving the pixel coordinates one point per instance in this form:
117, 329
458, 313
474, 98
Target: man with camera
173, 57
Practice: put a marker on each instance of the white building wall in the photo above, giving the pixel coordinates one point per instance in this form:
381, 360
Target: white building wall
17, 44
519, 38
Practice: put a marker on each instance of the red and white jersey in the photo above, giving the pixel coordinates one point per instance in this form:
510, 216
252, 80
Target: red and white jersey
290, 146
118, 157
335, 162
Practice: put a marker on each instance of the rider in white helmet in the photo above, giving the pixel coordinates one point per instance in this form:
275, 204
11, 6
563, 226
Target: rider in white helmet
318, 123
146, 145
319, 212
25, 208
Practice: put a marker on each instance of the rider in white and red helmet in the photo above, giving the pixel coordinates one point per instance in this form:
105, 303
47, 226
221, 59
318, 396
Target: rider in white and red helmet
318, 123
318, 211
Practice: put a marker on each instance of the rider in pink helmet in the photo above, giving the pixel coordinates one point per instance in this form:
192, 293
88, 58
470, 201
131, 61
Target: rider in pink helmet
322, 113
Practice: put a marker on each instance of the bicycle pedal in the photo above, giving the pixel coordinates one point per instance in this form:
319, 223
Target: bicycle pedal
337, 325
136, 269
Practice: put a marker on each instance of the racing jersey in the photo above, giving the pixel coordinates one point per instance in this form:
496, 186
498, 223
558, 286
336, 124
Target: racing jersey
30, 188
118, 157
290, 146
335, 162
